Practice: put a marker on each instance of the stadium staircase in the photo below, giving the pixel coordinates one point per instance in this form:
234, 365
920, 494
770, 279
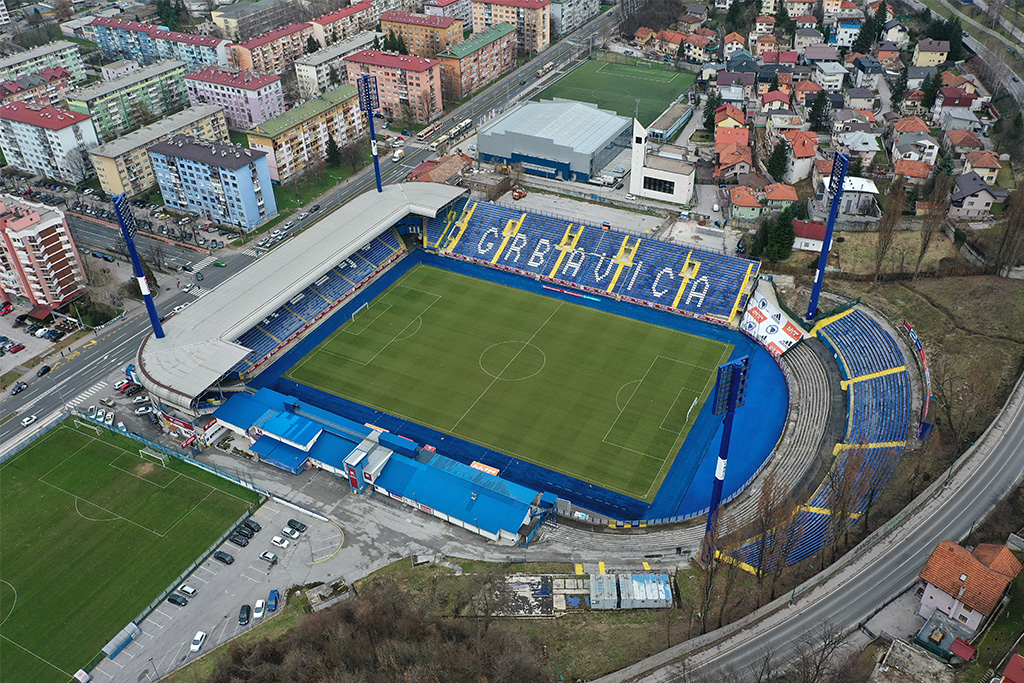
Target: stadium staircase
597, 260
308, 307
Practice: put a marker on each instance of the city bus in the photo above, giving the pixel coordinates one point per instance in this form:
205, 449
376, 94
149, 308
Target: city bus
429, 131
438, 142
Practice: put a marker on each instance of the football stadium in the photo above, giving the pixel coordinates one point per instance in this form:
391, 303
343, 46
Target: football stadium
492, 366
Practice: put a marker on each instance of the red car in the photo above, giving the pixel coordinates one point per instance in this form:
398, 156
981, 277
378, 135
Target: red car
6, 308
17, 347
126, 387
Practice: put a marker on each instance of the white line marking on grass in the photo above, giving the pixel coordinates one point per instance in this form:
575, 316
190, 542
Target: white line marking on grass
493, 381
91, 519
11, 611
669, 412
345, 326
617, 393
132, 474
191, 510
42, 659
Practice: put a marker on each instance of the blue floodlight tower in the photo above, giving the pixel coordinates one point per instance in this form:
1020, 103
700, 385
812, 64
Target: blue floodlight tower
729, 394
840, 162
128, 229
369, 103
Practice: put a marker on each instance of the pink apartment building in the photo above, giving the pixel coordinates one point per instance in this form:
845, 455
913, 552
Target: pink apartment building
248, 99
343, 24
402, 80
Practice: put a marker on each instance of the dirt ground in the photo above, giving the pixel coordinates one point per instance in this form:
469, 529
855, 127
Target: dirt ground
856, 253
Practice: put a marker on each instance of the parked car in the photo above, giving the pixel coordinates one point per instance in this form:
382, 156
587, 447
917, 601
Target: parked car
222, 556
144, 410
259, 609
17, 347
107, 401
18, 388
243, 615
243, 530
252, 524
92, 411
297, 525
240, 541
101, 414
140, 399
268, 557
197, 642
109, 420
290, 533
272, 601
176, 599
279, 542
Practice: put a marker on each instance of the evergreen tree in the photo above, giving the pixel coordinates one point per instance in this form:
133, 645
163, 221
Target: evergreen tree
760, 241
376, 43
899, 88
333, 156
944, 165
783, 21
774, 85
732, 17
402, 49
311, 45
856, 167
955, 36
817, 114
680, 53
930, 88
879, 20
782, 237
778, 160
714, 101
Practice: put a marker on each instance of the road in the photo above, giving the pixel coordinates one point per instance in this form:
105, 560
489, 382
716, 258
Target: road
848, 593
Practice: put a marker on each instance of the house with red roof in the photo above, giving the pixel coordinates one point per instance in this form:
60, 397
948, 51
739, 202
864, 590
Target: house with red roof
985, 163
964, 585
780, 195
728, 116
731, 43
30, 136
743, 204
911, 124
810, 236
806, 92
912, 103
888, 53
643, 36
1014, 671
803, 146
733, 159
725, 136
766, 43
667, 42
764, 25
960, 142
806, 21
916, 172
773, 100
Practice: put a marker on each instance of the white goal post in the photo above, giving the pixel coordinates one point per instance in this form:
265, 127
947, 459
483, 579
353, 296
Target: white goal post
148, 453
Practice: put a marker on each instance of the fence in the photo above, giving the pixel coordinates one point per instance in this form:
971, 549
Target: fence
28, 441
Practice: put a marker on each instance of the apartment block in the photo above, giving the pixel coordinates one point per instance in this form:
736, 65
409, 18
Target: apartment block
58, 53
344, 24
569, 15
456, 9
5, 17
244, 20
124, 104
147, 44
469, 66
424, 35
297, 140
273, 52
402, 81
47, 87
222, 182
47, 141
325, 69
247, 98
123, 165
38, 257
532, 19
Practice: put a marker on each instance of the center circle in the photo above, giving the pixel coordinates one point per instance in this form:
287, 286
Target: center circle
512, 361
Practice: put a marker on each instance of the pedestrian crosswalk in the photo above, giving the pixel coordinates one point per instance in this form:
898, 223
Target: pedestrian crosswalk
198, 292
99, 386
199, 265
251, 251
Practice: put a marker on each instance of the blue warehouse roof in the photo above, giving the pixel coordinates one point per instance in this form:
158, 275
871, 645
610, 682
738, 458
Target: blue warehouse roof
290, 427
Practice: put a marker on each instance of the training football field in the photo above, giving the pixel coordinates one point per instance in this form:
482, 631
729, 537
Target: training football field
91, 533
617, 87
597, 396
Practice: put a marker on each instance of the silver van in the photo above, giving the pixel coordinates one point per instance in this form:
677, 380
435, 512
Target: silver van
187, 590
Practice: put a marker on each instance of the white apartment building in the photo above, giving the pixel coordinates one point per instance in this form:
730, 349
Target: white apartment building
325, 69
569, 15
38, 258
58, 53
829, 75
47, 141
454, 9
5, 17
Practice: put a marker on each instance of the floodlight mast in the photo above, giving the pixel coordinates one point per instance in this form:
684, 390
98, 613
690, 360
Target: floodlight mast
368, 103
129, 227
840, 163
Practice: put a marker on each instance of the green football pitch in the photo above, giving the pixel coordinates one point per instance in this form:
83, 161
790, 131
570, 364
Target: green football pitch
91, 533
617, 87
603, 398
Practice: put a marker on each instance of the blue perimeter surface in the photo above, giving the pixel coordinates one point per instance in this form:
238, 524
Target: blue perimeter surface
686, 490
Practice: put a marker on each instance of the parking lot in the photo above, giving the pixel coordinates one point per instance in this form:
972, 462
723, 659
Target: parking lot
34, 346
221, 590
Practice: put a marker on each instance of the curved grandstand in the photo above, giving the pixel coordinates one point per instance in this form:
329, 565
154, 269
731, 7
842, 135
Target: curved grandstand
221, 338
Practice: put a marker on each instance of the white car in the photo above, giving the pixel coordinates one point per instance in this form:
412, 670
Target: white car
188, 287
144, 410
179, 309
288, 226
287, 531
630, 198
259, 609
716, 208
100, 414
197, 642
279, 542
25, 422
140, 399
275, 233
304, 215
109, 419
92, 411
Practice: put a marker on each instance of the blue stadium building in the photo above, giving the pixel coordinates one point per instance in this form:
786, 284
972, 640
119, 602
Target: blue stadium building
222, 182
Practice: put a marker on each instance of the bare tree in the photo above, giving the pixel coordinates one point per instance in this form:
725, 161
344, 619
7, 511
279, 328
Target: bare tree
62, 10
787, 541
353, 153
845, 487
706, 590
876, 477
967, 395
891, 216
816, 657
155, 253
937, 199
773, 508
1011, 247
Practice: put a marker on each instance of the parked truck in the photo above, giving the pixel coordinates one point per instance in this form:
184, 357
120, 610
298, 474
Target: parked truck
398, 155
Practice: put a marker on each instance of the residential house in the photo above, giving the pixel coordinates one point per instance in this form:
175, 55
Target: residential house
732, 42
803, 37
916, 172
973, 198
798, 8
733, 160
830, 9
913, 103
727, 136
779, 196
985, 164
723, 5
699, 49
910, 124
915, 146
863, 146
742, 62
810, 236
888, 55
1014, 671
731, 89
845, 32
803, 150
895, 31
930, 52
764, 25
822, 172
966, 586
769, 7
774, 100
953, 98
424, 35
917, 75
960, 142
786, 58
806, 21
643, 36
532, 19
859, 201
728, 116
744, 205
402, 81
849, 120
689, 22
960, 117
765, 43
667, 42
861, 98
952, 80
698, 9
866, 72
829, 75
779, 122
806, 92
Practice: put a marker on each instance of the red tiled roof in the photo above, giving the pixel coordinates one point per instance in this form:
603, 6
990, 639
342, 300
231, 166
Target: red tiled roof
983, 159
998, 558
962, 649
156, 31
774, 96
727, 111
980, 589
44, 117
733, 37
178, 37
235, 78
765, 20
804, 143
276, 34
431, 20
354, 8
739, 136
810, 230
527, 4
806, 19
742, 195
780, 192
911, 124
809, 86
911, 168
1014, 671
643, 32
823, 166
963, 138
392, 60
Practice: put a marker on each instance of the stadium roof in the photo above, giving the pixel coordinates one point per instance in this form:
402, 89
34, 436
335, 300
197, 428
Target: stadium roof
579, 125
199, 345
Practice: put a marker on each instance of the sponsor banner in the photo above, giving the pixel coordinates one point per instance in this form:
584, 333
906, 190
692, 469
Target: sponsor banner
180, 424
484, 468
189, 441
772, 328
